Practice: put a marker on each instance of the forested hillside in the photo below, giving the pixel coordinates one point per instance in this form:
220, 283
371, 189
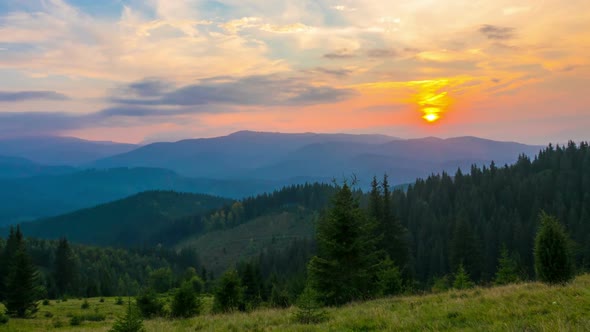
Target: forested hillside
468, 217
132, 222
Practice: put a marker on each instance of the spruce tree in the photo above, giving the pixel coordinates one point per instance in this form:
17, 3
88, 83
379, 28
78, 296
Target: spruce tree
65, 268
462, 280
507, 269
186, 302
130, 322
394, 234
22, 286
553, 254
347, 262
229, 292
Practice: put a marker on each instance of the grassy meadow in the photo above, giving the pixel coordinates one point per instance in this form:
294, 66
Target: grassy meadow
520, 307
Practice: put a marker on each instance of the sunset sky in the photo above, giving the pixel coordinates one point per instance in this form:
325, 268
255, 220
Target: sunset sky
143, 71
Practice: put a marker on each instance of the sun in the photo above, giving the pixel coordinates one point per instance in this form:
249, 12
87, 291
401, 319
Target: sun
431, 117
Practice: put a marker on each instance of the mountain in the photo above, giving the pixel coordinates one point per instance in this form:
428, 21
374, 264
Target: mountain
228, 156
321, 157
55, 150
127, 222
35, 197
15, 167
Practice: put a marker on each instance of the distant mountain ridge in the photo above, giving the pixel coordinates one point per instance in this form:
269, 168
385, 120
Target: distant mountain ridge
57, 150
277, 157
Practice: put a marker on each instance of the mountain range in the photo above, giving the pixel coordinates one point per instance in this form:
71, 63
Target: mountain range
46, 176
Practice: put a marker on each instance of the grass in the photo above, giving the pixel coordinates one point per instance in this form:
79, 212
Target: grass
522, 307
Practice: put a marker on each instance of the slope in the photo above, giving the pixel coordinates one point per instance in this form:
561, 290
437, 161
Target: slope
129, 222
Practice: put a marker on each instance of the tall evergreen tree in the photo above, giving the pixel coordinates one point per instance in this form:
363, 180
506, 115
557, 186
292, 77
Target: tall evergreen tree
229, 292
553, 255
22, 283
394, 234
65, 272
345, 267
464, 248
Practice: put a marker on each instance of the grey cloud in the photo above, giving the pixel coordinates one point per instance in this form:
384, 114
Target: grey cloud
268, 90
6, 96
148, 87
496, 32
332, 72
339, 54
381, 53
41, 123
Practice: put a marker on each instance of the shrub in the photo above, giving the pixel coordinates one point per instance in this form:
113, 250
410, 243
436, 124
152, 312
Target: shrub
3, 319
553, 254
48, 314
279, 297
85, 305
119, 301
93, 317
149, 304
75, 320
309, 309
45, 302
101, 300
186, 303
440, 284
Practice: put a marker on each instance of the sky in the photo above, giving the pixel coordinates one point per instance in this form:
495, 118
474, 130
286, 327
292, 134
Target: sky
164, 70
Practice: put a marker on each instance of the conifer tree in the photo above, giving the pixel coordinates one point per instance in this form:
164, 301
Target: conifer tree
345, 267
22, 290
65, 268
462, 280
229, 292
130, 322
507, 269
309, 308
186, 302
394, 234
553, 255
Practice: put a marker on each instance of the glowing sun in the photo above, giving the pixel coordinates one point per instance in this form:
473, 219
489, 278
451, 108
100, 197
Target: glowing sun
431, 117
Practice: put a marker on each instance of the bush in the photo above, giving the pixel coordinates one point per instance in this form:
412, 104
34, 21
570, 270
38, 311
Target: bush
48, 314
45, 302
3, 319
309, 309
553, 253
186, 303
93, 317
75, 320
279, 297
130, 322
85, 305
440, 284
101, 300
119, 301
149, 304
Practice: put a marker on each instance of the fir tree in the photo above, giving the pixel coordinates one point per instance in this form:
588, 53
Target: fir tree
229, 292
22, 286
186, 302
462, 280
553, 255
394, 234
130, 322
309, 308
345, 267
507, 269
65, 268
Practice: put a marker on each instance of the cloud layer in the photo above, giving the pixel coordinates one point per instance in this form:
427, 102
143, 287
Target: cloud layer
137, 69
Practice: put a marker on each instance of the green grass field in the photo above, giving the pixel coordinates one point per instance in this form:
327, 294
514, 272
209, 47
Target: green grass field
522, 307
